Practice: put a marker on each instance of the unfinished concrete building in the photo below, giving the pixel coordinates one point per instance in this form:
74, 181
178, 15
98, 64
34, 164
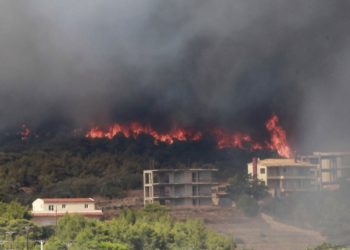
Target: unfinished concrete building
178, 187
284, 176
332, 167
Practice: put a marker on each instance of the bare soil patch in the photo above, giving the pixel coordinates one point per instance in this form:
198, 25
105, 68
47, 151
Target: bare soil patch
259, 233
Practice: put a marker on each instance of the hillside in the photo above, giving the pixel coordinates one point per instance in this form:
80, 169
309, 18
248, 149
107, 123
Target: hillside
76, 166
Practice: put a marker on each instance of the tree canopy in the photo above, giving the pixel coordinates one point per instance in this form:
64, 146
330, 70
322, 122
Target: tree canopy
66, 167
151, 228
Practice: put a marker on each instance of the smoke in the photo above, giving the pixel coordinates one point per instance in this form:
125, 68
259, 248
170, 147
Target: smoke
190, 63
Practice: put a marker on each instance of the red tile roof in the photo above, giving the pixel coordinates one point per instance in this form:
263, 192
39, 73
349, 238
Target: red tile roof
67, 200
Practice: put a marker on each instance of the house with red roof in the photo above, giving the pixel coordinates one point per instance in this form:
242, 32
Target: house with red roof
46, 211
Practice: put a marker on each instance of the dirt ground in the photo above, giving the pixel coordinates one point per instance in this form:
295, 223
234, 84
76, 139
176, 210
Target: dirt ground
259, 233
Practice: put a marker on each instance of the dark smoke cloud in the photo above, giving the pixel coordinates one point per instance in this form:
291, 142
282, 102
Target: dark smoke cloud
192, 63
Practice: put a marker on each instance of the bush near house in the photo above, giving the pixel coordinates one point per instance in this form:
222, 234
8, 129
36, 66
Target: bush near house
151, 228
15, 226
246, 191
248, 205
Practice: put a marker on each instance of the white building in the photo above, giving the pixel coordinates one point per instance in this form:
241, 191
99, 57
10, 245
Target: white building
283, 176
46, 211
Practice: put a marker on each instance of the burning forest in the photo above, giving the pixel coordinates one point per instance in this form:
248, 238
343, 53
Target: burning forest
92, 93
278, 139
169, 70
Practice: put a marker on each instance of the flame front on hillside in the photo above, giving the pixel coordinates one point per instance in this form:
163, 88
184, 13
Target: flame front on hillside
278, 135
134, 129
278, 139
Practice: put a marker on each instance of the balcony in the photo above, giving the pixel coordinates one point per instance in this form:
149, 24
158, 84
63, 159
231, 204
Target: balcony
290, 177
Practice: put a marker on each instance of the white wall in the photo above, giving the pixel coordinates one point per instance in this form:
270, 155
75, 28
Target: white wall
71, 207
40, 206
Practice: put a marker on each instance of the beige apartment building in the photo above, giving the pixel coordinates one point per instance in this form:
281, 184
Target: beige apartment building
179, 187
46, 211
332, 167
284, 176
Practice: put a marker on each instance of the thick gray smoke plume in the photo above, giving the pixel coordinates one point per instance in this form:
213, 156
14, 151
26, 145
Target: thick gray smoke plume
187, 62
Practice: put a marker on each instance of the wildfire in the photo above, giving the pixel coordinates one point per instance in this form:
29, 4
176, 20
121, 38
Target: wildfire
134, 129
278, 135
25, 132
278, 139
234, 140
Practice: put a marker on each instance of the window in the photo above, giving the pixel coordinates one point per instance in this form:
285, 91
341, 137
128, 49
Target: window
194, 177
194, 190
86, 205
63, 205
262, 170
147, 178
51, 207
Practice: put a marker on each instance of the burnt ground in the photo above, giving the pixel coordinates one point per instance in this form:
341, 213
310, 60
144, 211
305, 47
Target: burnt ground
258, 233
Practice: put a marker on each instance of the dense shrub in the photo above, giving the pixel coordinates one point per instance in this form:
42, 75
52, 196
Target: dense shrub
327, 246
248, 205
15, 226
243, 184
326, 211
65, 167
151, 228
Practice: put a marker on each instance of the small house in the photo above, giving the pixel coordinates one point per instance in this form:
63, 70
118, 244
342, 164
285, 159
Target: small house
46, 211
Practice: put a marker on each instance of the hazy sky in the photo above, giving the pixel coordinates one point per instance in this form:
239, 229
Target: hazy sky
187, 62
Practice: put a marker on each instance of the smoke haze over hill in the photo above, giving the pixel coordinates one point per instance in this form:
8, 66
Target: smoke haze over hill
189, 63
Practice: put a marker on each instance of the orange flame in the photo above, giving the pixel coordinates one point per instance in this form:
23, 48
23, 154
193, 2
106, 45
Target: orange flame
278, 140
134, 129
234, 140
25, 132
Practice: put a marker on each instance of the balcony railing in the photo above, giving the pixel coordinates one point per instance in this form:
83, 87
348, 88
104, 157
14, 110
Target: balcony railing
295, 177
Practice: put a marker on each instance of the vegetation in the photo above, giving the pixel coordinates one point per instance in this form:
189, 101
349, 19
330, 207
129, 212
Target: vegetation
66, 167
243, 184
151, 228
16, 227
327, 246
246, 191
248, 205
326, 211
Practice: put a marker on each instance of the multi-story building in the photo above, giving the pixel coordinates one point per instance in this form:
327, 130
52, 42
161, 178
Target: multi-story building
178, 187
284, 176
332, 166
46, 211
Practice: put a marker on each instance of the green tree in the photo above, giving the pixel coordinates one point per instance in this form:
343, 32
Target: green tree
248, 204
246, 185
150, 229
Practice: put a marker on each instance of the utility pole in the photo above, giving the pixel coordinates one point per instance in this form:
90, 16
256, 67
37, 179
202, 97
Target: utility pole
27, 228
56, 215
10, 233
